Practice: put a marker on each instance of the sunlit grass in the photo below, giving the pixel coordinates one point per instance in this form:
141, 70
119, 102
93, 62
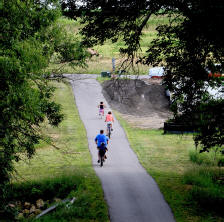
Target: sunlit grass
110, 50
96, 65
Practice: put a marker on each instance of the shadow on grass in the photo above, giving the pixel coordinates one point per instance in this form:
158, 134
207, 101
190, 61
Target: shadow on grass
86, 190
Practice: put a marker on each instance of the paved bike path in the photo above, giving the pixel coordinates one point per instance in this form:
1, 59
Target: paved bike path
131, 194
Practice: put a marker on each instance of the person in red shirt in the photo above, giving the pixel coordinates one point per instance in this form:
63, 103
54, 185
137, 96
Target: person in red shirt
109, 120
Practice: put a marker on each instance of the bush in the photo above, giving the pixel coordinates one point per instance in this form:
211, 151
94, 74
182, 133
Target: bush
209, 159
221, 162
207, 187
45, 189
88, 205
209, 197
200, 158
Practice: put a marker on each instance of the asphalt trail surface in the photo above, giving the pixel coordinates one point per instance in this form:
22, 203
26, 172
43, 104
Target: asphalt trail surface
131, 194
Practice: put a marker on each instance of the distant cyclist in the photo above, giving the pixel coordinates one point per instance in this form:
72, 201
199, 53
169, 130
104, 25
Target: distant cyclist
109, 120
101, 107
102, 141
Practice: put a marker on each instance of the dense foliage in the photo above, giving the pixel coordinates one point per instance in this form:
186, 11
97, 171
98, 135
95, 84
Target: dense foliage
28, 40
187, 47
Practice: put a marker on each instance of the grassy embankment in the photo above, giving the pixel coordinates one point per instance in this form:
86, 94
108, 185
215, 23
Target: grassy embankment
193, 188
63, 172
111, 50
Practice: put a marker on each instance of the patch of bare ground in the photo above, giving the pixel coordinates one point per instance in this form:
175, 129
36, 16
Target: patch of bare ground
142, 103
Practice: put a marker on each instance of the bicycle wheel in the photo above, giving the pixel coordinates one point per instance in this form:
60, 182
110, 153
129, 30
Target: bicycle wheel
101, 161
109, 132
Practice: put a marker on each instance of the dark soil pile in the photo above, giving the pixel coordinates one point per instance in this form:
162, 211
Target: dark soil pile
135, 97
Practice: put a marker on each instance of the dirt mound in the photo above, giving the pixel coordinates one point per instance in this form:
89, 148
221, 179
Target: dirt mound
143, 104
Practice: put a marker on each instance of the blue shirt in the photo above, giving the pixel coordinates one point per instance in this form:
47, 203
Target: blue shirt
101, 138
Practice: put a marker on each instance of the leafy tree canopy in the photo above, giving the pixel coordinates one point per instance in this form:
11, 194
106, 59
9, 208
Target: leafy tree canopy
29, 39
189, 45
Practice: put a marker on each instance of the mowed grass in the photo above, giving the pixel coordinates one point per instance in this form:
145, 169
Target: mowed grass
110, 50
64, 170
166, 159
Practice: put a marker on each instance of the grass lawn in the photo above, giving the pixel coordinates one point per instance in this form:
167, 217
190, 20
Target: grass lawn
166, 159
63, 171
110, 50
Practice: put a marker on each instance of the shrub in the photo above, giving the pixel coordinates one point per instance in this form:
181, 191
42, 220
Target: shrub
207, 187
221, 162
88, 205
209, 159
45, 189
209, 197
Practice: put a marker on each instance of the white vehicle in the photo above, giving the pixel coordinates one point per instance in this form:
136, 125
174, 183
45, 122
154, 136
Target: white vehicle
156, 72
215, 92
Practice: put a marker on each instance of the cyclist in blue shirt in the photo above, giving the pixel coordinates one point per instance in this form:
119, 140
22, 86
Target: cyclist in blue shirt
101, 139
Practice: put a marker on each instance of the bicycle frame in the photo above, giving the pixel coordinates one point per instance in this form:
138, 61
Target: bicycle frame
101, 113
109, 130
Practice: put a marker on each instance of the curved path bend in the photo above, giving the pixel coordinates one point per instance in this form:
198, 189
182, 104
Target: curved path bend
131, 194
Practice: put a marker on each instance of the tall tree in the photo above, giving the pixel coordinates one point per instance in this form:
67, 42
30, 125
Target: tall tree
187, 46
28, 40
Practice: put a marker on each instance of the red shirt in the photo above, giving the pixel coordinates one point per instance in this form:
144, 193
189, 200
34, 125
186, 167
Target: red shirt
109, 118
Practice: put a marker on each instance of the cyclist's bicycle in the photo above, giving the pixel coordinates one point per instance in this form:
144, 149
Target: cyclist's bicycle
109, 127
102, 151
101, 113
